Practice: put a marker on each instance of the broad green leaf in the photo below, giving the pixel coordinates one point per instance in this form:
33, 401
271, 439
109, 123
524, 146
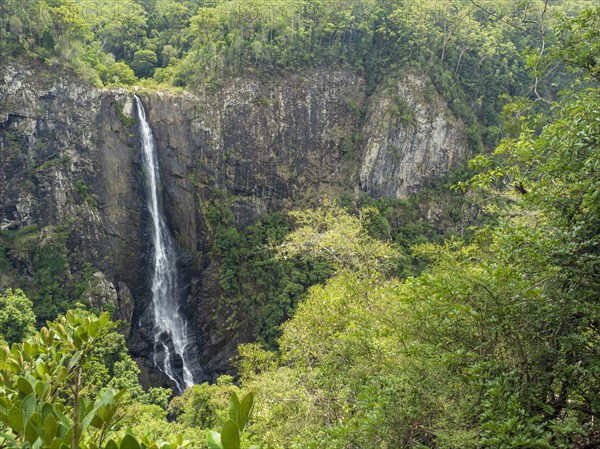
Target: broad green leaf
28, 407
246, 407
28, 350
234, 408
24, 386
40, 367
108, 397
94, 329
61, 375
103, 319
98, 421
77, 341
14, 418
75, 359
112, 445
32, 432
47, 410
129, 442
230, 435
50, 427
85, 423
41, 388
83, 408
213, 439
82, 333
119, 394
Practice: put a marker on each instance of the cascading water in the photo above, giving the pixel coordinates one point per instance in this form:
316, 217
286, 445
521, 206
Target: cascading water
170, 328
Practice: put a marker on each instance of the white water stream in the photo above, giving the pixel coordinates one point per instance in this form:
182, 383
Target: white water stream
169, 325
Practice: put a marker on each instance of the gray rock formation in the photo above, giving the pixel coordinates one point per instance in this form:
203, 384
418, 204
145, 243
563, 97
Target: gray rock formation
410, 139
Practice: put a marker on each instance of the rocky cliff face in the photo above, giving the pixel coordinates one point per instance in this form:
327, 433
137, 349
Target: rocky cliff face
59, 171
262, 145
411, 138
69, 159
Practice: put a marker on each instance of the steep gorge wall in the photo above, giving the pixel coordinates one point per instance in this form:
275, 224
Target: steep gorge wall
69, 158
261, 146
59, 170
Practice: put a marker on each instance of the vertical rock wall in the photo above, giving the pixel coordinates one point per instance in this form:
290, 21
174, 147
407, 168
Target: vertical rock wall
410, 139
70, 159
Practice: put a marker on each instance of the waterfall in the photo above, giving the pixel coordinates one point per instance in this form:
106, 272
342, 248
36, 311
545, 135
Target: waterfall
170, 328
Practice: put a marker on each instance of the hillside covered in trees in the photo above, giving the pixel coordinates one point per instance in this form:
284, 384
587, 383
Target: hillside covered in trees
372, 324
473, 51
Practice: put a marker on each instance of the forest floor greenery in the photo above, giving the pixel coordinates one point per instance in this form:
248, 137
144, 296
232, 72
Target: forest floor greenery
393, 335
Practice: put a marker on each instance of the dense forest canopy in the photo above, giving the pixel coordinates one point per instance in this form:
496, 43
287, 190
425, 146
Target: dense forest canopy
489, 338
472, 50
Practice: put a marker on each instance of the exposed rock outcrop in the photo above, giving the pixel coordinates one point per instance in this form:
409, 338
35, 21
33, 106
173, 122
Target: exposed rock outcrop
411, 138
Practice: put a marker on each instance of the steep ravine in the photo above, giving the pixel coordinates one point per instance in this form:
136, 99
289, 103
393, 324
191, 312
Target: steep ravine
70, 160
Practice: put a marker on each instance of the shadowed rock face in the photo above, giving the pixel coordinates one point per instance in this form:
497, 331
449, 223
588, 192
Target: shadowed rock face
58, 138
70, 156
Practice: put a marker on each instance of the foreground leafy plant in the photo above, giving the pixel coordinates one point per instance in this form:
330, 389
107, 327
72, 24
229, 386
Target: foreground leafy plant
43, 403
231, 433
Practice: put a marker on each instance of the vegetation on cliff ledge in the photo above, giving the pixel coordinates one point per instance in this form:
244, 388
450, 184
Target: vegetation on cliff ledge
473, 51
